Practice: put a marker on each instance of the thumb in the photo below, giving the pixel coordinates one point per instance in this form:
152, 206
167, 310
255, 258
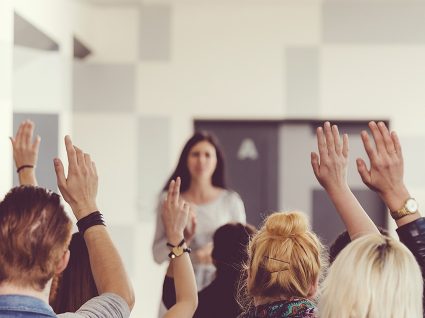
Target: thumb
363, 172
60, 173
315, 164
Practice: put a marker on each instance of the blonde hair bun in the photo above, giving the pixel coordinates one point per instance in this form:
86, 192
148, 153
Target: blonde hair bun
286, 224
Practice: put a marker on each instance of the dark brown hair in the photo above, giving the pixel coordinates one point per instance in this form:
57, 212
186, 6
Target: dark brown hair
230, 246
76, 284
34, 233
182, 171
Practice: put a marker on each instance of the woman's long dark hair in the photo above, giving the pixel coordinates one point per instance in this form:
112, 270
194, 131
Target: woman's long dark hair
218, 177
76, 285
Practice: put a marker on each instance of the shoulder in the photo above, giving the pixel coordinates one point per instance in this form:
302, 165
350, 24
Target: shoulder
231, 196
105, 305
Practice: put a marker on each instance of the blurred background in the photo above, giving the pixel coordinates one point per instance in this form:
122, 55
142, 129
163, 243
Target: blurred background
130, 80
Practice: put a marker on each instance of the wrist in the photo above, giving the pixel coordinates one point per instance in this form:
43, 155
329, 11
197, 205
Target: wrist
338, 190
395, 199
175, 238
82, 210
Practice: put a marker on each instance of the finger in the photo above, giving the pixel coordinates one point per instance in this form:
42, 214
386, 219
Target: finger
93, 165
12, 140
377, 137
60, 173
70, 151
362, 169
388, 141
29, 130
345, 147
315, 164
170, 192
397, 144
80, 156
18, 136
87, 162
36, 144
329, 138
184, 206
371, 152
336, 139
321, 143
177, 189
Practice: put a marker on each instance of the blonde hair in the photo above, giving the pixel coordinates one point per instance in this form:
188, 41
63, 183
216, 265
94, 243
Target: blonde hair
284, 258
373, 277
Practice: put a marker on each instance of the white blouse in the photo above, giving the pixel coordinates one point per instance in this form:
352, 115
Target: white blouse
228, 207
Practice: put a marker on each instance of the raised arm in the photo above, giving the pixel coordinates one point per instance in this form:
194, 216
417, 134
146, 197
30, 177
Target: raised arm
25, 153
386, 172
175, 217
330, 169
79, 189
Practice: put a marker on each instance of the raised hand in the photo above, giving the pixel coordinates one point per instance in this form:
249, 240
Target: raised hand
79, 187
385, 175
25, 152
386, 172
330, 169
330, 165
175, 213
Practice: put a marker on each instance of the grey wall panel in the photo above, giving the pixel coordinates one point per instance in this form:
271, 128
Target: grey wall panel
47, 126
296, 178
302, 81
155, 32
373, 22
153, 155
28, 35
328, 225
104, 87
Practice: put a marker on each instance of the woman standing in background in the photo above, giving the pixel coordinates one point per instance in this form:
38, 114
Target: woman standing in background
201, 169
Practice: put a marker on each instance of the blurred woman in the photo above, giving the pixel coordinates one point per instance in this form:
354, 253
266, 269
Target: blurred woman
201, 168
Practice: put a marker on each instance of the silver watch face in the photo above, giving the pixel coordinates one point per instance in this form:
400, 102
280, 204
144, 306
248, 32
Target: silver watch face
411, 205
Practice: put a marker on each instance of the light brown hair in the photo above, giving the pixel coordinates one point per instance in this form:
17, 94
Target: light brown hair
34, 233
285, 258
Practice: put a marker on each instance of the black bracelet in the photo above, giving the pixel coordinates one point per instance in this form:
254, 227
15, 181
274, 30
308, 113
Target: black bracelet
23, 167
179, 245
94, 218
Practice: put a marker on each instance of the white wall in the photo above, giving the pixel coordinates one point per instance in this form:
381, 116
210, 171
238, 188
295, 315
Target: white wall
6, 66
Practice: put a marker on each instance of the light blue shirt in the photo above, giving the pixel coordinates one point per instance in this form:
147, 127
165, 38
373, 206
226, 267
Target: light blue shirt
19, 306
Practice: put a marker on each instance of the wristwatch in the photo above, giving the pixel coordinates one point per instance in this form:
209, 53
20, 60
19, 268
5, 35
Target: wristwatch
178, 250
409, 207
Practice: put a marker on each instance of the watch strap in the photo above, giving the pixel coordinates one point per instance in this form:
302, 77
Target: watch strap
178, 251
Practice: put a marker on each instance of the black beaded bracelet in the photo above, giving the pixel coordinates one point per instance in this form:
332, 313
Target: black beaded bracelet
94, 218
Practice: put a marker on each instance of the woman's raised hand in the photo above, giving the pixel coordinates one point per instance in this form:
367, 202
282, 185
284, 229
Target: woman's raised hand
330, 165
25, 152
175, 213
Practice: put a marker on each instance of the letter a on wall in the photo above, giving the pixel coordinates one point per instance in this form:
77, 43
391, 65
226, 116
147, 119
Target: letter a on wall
247, 150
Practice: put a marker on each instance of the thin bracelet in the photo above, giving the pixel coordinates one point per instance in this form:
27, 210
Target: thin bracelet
23, 167
179, 245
